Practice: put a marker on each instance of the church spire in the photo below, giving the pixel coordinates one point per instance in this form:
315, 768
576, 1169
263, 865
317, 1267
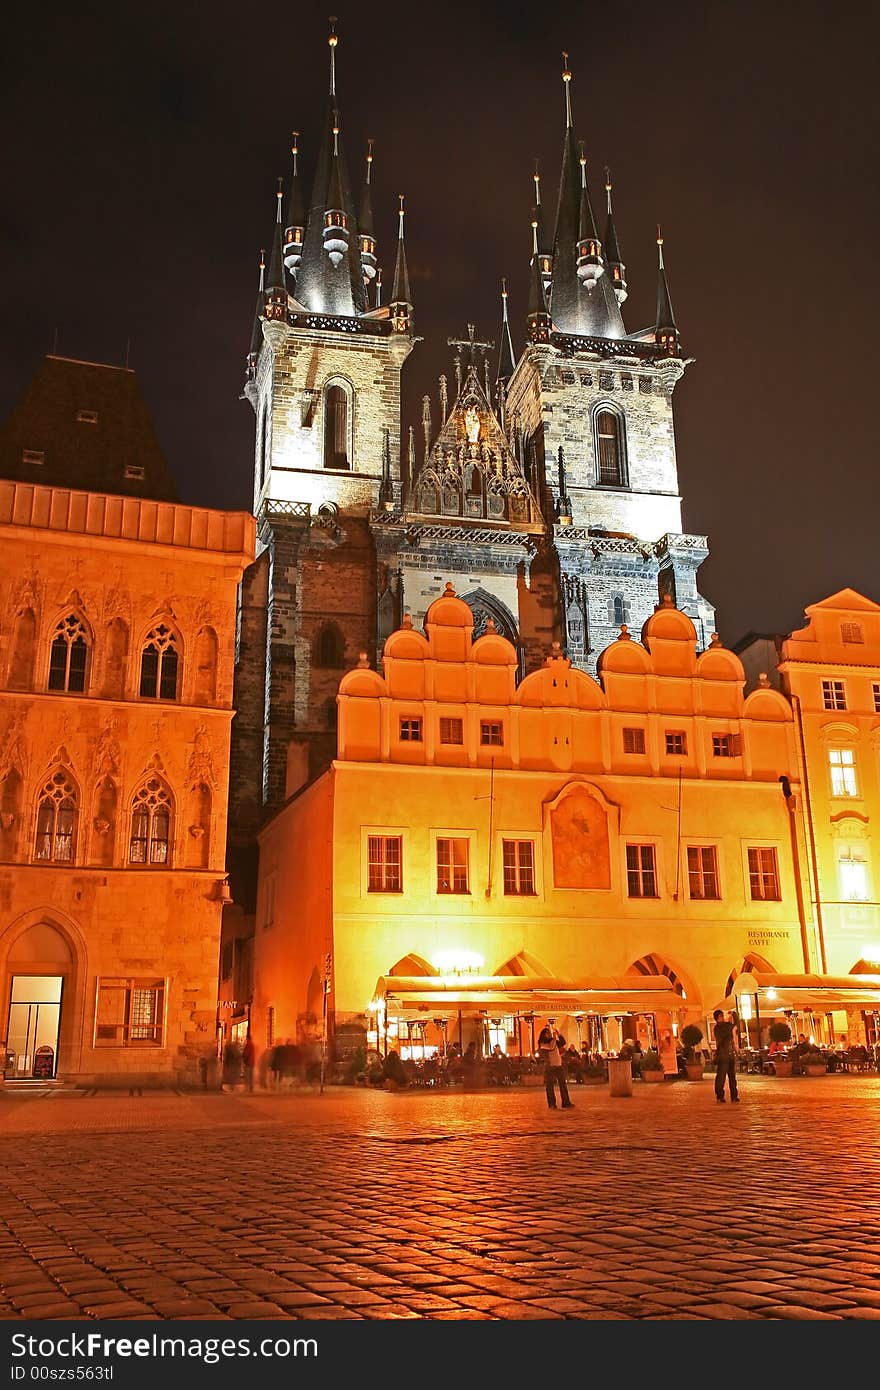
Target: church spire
296, 214
506, 358
400, 305
276, 290
365, 223
613, 260
665, 332
257, 330
539, 234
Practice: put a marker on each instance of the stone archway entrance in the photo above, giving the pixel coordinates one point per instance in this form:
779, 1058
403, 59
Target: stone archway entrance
40, 969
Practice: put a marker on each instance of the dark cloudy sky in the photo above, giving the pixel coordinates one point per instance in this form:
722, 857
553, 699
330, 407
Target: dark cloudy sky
143, 144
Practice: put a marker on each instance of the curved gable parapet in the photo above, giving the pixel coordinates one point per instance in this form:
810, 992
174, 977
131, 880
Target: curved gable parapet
363, 684
406, 645
767, 705
449, 611
494, 650
668, 624
626, 657
558, 684
718, 663
587, 692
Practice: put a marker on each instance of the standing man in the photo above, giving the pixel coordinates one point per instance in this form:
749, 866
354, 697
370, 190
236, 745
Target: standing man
249, 1057
551, 1047
725, 1057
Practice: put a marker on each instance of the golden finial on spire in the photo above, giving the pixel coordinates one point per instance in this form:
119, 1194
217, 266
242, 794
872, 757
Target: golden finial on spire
537, 180
280, 196
332, 41
401, 215
660, 245
369, 158
608, 184
566, 77
294, 149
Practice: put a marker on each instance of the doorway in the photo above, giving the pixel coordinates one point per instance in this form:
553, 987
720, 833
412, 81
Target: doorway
32, 1036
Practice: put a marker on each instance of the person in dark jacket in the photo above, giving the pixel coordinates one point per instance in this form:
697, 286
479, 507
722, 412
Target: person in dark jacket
725, 1057
551, 1047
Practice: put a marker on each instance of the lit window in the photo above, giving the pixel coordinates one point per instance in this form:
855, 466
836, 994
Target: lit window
451, 731
150, 824
519, 868
633, 740
763, 874
385, 863
68, 656
723, 746
833, 694
159, 665
129, 1013
641, 871
491, 733
676, 743
842, 762
851, 632
56, 820
410, 730
702, 862
452, 866
853, 876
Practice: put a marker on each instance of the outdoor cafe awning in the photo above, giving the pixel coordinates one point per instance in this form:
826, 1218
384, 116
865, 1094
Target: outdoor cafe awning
816, 993
507, 994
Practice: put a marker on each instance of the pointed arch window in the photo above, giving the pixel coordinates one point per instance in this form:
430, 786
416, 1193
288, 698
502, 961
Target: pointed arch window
610, 448
330, 647
68, 655
56, 820
160, 665
151, 824
336, 426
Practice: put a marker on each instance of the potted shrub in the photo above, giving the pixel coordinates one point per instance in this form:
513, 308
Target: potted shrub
691, 1037
813, 1063
780, 1033
652, 1067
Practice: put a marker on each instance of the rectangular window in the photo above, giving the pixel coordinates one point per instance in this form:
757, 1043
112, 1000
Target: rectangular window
853, 877
722, 746
633, 740
410, 730
875, 691
833, 695
87, 417
676, 742
134, 470
763, 875
519, 868
851, 632
702, 862
641, 871
452, 866
129, 1013
491, 733
385, 863
35, 456
842, 762
451, 731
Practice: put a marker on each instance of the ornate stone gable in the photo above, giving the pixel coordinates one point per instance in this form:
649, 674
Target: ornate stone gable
471, 471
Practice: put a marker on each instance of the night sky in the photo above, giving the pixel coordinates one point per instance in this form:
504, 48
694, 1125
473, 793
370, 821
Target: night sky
143, 145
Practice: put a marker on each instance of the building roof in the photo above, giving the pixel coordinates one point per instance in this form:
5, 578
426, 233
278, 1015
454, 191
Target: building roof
85, 425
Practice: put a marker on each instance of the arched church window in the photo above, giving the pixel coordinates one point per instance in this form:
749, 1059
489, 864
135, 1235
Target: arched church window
618, 610
160, 665
56, 820
151, 824
336, 409
330, 647
68, 655
610, 450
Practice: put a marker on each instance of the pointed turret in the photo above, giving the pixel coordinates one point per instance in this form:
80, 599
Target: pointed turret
400, 306
257, 330
330, 278
613, 260
537, 317
276, 290
365, 224
540, 245
665, 331
590, 265
295, 231
506, 358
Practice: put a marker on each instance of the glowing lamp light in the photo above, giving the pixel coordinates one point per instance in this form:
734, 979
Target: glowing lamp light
771, 994
458, 963
745, 1005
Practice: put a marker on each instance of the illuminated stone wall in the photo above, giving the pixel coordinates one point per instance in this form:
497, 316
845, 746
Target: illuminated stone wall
122, 566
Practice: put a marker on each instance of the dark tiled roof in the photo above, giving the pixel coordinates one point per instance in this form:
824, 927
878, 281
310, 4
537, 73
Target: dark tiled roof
91, 427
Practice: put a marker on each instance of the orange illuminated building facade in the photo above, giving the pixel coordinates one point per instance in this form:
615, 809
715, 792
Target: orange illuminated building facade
482, 851
117, 628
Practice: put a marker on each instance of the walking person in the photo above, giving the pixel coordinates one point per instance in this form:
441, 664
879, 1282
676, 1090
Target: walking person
551, 1047
248, 1060
725, 1057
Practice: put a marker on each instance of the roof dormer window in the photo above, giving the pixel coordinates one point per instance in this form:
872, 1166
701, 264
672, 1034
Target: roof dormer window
34, 456
87, 417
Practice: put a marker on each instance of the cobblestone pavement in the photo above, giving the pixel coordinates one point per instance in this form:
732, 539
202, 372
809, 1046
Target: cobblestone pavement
361, 1204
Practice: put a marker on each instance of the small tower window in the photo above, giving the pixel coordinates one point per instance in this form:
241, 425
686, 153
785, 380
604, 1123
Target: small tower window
618, 610
159, 665
336, 427
610, 448
68, 656
330, 648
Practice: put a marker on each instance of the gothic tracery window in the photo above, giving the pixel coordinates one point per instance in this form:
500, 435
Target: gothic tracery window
151, 824
68, 655
56, 820
159, 665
